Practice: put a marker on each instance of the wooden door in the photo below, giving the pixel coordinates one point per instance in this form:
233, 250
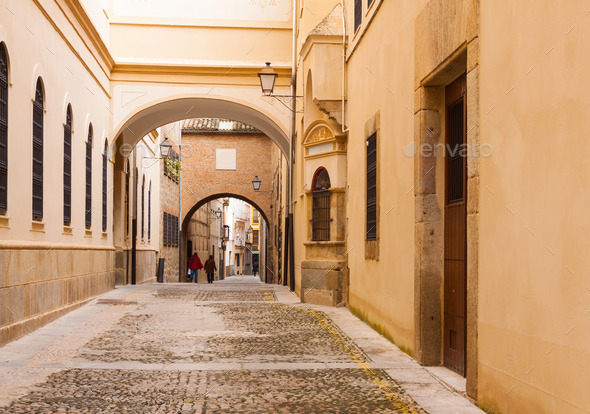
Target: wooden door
455, 238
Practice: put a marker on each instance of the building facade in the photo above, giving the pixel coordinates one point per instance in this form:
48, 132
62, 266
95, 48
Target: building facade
425, 195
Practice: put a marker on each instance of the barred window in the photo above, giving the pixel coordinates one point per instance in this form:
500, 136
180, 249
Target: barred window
127, 173
169, 162
88, 218
68, 168
3, 129
143, 208
320, 213
150, 212
170, 230
38, 152
371, 212
105, 156
358, 14
255, 237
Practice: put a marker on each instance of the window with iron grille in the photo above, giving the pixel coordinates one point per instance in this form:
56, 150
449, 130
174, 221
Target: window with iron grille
104, 185
3, 129
371, 225
127, 173
320, 221
143, 208
358, 14
168, 163
68, 168
170, 230
255, 237
320, 211
88, 215
38, 152
165, 229
150, 212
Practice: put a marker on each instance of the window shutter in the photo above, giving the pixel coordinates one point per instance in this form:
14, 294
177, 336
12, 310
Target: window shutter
371, 225
127, 173
38, 152
88, 214
358, 14
3, 129
165, 229
68, 168
143, 208
104, 186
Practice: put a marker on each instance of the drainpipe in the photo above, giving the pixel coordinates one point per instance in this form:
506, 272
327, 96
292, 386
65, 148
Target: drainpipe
180, 242
134, 223
344, 128
291, 249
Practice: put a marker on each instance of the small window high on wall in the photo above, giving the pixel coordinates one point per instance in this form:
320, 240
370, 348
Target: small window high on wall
38, 152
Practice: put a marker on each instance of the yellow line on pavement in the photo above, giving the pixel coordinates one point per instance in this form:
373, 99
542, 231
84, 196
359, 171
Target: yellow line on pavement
383, 385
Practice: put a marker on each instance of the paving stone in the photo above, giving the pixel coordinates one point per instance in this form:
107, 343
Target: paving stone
230, 347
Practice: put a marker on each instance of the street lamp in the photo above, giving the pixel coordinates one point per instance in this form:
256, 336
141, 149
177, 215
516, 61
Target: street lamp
256, 183
267, 76
218, 212
165, 148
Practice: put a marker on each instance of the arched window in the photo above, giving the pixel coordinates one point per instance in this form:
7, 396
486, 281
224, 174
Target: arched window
127, 173
68, 168
3, 129
143, 208
104, 185
88, 219
150, 212
320, 213
38, 152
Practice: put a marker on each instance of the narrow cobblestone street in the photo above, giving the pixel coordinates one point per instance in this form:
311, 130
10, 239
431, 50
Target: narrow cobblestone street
237, 346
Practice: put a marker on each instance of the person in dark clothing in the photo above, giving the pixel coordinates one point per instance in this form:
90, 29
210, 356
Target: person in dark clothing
255, 268
194, 265
210, 268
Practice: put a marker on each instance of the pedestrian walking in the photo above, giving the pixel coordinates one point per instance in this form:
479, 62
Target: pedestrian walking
210, 268
255, 268
194, 265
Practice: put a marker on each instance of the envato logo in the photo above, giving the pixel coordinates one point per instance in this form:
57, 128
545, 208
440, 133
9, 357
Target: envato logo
473, 150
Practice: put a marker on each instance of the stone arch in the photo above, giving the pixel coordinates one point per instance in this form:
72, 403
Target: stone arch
205, 200
170, 109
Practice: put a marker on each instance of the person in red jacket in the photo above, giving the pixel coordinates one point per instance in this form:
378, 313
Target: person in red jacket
194, 265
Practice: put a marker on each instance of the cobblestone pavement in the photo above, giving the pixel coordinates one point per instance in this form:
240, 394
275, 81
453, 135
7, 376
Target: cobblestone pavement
235, 347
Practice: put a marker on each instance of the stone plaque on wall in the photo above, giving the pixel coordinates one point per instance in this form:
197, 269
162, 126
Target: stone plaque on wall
225, 159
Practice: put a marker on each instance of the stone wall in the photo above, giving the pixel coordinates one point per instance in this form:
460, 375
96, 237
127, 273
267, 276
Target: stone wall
40, 284
169, 203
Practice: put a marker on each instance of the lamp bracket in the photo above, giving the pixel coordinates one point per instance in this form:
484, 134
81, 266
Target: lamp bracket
286, 101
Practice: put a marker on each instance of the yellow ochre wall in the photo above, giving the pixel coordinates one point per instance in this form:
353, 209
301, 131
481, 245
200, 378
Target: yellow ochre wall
534, 325
380, 75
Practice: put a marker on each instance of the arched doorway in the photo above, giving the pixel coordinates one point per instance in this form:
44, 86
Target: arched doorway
143, 119
222, 220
